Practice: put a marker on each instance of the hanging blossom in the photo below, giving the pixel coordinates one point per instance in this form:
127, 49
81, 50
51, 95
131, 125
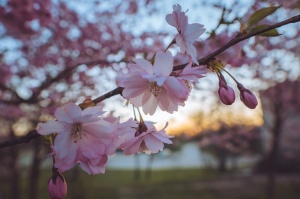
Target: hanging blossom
82, 137
187, 33
149, 86
146, 139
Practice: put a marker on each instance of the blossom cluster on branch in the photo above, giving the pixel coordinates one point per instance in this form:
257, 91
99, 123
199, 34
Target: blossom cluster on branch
80, 134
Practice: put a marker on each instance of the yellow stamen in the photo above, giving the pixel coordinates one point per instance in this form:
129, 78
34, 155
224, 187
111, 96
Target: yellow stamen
77, 132
154, 88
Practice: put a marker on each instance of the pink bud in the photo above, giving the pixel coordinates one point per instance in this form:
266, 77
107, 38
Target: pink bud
57, 186
226, 95
247, 97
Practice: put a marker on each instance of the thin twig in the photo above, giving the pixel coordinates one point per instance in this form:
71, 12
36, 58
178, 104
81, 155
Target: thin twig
24, 139
238, 38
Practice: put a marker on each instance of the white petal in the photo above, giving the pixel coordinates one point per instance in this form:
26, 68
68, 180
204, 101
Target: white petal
191, 50
163, 63
61, 115
180, 42
162, 137
150, 106
51, 127
94, 111
132, 146
193, 32
176, 88
144, 64
153, 144
170, 18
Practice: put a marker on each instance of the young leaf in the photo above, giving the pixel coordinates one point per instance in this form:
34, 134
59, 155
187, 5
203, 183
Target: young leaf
261, 14
270, 33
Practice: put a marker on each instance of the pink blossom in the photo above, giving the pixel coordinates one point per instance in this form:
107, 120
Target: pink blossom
187, 33
147, 139
247, 97
149, 86
122, 131
192, 74
57, 186
82, 136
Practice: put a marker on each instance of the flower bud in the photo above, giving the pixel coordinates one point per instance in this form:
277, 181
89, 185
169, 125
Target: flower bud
57, 186
226, 93
247, 97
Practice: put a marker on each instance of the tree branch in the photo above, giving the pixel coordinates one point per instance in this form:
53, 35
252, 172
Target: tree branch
24, 139
238, 38
63, 74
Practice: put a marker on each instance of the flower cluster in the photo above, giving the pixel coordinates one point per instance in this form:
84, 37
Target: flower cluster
84, 137
151, 85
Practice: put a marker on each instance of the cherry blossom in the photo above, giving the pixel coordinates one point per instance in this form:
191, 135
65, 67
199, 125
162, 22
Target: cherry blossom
147, 139
187, 33
149, 86
82, 136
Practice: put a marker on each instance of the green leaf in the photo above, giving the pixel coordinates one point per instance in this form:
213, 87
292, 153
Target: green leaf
270, 33
261, 14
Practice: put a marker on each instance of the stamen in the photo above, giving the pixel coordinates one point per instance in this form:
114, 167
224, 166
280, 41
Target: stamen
77, 132
154, 89
188, 84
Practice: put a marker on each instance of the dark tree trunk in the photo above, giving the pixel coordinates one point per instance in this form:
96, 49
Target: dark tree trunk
137, 169
15, 170
77, 190
35, 171
272, 156
222, 156
148, 174
272, 161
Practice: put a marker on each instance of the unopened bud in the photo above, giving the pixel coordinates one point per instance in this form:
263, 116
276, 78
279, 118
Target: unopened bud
226, 93
57, 186
247, 97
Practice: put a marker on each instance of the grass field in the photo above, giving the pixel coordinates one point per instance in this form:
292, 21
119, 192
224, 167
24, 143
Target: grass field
168, 184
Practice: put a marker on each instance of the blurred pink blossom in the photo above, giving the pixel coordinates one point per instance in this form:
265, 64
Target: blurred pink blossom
147, 139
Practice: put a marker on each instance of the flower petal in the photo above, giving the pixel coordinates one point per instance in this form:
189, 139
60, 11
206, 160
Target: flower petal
163, 63
193, 32
177, 88
150, 104
153, 144
51, 127
145, 65
132, 146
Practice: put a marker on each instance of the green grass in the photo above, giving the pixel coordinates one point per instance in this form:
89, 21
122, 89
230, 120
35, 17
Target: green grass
163, 184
